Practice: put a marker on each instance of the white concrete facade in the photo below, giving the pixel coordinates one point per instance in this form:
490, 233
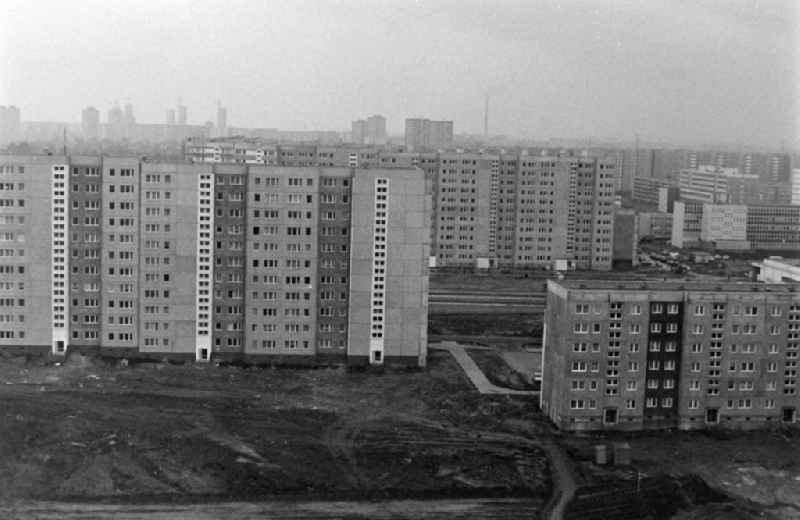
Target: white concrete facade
778, 270
205, 265
59, 250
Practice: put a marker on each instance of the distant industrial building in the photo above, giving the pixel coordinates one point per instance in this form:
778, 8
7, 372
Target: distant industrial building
202, 262
724, 226
678, 354
795, 183
730, 226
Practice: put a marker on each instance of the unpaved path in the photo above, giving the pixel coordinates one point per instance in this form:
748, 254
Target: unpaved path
474, 373
563, 483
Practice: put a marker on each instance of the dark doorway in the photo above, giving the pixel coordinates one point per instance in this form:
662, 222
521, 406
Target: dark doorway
610, 416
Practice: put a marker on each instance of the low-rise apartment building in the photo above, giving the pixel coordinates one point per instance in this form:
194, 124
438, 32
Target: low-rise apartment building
678, 354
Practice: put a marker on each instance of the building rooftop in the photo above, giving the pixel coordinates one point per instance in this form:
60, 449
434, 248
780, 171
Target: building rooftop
676, 285
793, 262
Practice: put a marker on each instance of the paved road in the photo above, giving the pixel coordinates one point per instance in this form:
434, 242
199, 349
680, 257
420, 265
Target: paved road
474, 372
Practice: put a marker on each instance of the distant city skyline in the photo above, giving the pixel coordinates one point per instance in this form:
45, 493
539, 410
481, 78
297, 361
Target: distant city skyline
704, 72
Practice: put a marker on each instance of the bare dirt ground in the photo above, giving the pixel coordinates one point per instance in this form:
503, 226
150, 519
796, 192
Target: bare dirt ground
760, 471
87, 433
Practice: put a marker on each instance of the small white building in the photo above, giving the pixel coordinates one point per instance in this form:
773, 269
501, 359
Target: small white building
776, 269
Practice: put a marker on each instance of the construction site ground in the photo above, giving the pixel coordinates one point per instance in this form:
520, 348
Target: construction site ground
89, 437
92, 438
759, 471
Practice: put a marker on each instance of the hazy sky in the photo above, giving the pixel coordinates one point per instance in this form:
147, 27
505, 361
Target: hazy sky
684, 71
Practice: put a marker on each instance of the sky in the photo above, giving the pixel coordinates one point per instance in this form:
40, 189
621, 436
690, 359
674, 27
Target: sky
681, 71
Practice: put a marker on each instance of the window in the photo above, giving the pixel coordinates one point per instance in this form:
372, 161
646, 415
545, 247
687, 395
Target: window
636, 309
580, 328
655, 328
656, 308
672, 308
580, 347
581, 308
579, 366
699, 310
672, 328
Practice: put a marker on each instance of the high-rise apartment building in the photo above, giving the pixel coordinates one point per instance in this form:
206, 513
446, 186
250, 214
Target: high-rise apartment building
90, 123
424, 134
10, 124
226, 261
488, 209
653, 354
370, 131
222, 122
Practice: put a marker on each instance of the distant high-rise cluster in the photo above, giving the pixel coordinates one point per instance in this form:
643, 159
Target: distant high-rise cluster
489, 210
370, 131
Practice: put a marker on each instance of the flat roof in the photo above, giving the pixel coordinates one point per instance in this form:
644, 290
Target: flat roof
677, 285
793, 262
